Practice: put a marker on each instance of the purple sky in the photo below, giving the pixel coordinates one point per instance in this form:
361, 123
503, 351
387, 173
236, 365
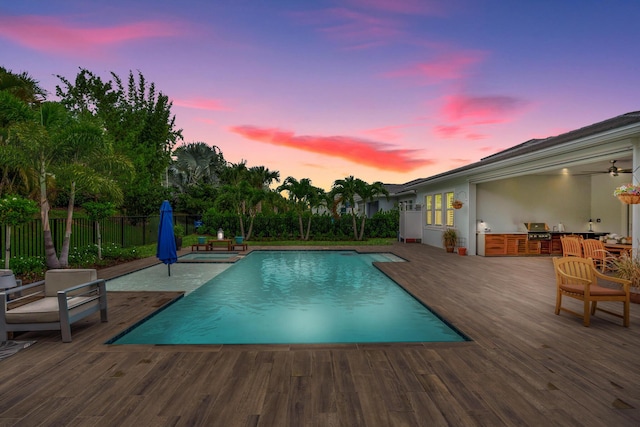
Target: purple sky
385, 90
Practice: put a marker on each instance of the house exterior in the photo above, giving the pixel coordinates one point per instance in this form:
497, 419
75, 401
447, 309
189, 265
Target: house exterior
563, 180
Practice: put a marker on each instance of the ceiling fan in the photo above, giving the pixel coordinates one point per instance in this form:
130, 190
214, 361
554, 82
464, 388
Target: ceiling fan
614, 170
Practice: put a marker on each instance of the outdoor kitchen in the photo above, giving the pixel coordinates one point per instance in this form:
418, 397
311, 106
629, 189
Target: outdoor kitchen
536, 238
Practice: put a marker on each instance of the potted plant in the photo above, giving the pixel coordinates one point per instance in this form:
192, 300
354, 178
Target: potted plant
178, 233
449, 239
628, 193
627, 266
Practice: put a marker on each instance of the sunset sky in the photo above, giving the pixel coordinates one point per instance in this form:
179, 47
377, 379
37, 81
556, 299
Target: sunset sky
385, 90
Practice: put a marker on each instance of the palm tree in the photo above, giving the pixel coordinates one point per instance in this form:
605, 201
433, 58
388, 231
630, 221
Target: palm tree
35, 138
68, 151
304, 196
368, 192
195, 164
19, 95
13, 164
347, 189
87, 163
22, 86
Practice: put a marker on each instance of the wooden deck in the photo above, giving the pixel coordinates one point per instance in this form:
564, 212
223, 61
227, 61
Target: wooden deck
525, 365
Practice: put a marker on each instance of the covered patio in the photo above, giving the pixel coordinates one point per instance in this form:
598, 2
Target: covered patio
524, 365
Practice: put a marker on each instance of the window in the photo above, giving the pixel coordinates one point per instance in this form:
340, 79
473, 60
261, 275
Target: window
428, 208
438, 209
449, 215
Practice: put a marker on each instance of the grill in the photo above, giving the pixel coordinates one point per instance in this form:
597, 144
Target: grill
537, 231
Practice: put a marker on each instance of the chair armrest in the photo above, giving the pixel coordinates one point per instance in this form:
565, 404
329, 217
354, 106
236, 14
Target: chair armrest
574, 278
82, 286
19, 290
626, 283
23, 288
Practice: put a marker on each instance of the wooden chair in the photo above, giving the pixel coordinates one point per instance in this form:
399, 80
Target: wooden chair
571, 245
578, 278
594, 249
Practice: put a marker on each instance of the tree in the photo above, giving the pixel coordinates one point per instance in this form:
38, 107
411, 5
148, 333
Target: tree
22, 86
196, 164
14, 211
87, 163
99, 212
304, 196
20, 94
139, 122
348, 188
36, 139
67, 151
368, 192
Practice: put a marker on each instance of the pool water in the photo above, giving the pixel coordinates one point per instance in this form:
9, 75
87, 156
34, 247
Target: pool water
288, 297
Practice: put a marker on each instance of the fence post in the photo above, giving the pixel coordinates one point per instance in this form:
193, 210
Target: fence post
122, 232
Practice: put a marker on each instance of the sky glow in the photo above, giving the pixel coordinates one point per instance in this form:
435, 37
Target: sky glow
385, 90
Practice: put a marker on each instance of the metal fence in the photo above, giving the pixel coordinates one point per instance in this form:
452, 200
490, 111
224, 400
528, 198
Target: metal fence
125, 231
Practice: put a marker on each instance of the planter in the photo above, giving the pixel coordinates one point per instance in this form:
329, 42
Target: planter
449, 249
462, 251
239, 240
634, 297
178, 243
202, 240
456, 204
629, 199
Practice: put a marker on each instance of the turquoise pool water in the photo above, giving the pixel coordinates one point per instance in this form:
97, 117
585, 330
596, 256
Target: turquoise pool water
289, 297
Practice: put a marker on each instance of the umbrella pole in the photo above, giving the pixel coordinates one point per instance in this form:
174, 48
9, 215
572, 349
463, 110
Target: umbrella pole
169, 267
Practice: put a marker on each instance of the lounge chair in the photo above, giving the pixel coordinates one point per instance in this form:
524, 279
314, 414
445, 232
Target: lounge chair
578, 278
68, 295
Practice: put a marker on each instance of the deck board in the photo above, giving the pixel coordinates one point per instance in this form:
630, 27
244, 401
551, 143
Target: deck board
524, 365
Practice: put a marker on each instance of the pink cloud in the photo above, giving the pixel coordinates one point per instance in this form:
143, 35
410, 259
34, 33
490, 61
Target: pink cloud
481, 109
356, 150
201, 104
446, 67
445, 131
475, 136
53, 35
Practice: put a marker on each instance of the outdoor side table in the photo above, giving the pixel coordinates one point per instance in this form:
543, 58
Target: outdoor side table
220, 244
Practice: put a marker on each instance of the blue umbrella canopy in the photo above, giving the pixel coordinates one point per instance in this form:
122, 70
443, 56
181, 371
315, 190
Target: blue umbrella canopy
166, 251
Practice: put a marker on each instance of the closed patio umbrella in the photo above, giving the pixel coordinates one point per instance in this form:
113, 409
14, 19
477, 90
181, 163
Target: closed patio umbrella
166, 251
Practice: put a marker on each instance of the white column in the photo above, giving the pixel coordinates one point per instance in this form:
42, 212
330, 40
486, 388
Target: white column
635, 209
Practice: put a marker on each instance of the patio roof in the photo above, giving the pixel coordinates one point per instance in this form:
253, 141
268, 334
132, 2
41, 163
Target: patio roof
528, 147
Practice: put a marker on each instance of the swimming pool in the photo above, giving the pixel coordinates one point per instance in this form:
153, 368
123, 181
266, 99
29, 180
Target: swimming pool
290, 297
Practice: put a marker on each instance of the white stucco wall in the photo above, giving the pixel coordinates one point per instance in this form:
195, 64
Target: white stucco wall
613, 214
505, 205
